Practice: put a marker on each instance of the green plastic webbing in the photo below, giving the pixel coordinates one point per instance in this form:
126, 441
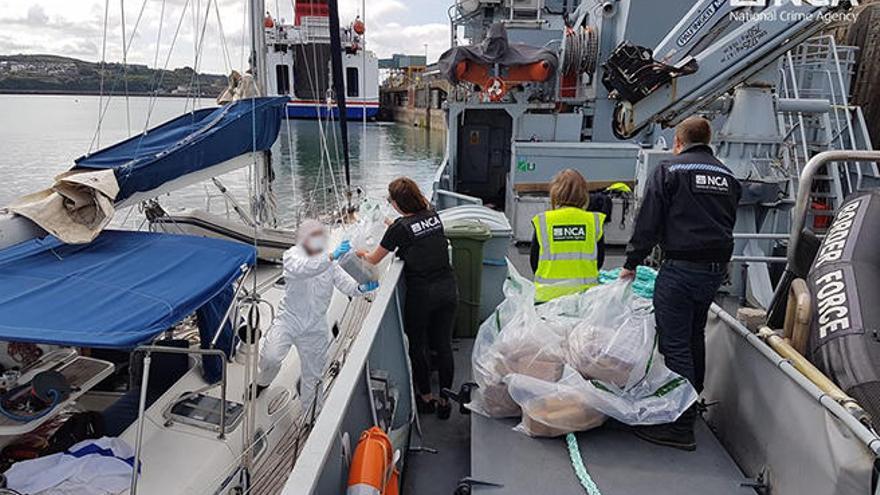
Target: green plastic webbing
580, 470
643, 285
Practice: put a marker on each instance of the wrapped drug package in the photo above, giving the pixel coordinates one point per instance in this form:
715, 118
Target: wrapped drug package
513, 340
614, 340
568, 364
552, 409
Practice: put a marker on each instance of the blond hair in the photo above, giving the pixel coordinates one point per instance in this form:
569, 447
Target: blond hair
569, 188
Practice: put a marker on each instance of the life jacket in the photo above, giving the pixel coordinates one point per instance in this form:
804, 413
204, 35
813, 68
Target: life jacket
568, 256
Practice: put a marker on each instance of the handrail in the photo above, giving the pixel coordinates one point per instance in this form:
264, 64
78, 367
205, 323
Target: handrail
148, 350
866, 435
799, 216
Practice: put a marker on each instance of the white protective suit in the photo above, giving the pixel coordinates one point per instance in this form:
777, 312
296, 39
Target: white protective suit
302, 318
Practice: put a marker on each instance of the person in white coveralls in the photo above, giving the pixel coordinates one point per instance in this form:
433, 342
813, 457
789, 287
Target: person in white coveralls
310, 273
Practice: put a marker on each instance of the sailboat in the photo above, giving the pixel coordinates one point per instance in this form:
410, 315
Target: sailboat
773, 424
154, 336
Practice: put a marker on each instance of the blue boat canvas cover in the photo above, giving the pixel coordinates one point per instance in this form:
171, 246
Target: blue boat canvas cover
190, 143
119, 291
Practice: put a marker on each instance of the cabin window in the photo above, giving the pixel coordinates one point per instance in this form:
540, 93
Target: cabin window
282, 79
352, 82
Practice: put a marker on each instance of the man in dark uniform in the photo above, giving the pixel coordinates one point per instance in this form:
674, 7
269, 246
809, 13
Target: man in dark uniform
689, 209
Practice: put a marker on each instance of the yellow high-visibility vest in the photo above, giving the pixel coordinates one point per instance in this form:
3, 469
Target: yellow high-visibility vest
568, 261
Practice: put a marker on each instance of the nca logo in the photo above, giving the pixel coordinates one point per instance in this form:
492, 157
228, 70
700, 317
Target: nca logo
712, 180
570, 233
425, 224
796, 3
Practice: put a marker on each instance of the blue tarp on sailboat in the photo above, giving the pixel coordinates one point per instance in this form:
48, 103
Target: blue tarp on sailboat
121, 290
190, 143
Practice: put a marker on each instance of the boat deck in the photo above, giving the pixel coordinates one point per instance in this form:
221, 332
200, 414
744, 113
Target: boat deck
620, 464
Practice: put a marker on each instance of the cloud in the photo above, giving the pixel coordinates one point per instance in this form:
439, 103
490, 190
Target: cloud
394, 38
8, 45
75, 28
36, 16
37, 21
376, 9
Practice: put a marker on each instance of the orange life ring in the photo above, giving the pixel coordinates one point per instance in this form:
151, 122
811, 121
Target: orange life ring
372, 469
359, 27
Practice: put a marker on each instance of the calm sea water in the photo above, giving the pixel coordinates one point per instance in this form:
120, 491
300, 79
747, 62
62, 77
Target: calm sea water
40, 136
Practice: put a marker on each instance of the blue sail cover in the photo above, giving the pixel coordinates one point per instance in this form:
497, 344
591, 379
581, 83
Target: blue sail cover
119, 291
189, 143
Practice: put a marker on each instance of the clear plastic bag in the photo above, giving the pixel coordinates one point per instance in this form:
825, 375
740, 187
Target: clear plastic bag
568, 363
554, 409
614, 340
660, 397
513, 340
367, 232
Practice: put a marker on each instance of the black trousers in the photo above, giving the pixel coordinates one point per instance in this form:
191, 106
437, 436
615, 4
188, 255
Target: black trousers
429, 317
682, 296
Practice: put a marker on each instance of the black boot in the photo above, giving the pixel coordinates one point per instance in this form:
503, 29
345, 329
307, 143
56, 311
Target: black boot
424, 406
678, 435
444, 410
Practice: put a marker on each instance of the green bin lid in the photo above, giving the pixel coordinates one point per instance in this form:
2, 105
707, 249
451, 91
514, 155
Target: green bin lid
468, 229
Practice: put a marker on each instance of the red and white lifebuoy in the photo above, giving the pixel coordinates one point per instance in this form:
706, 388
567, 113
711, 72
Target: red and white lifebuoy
372, 469
359, 27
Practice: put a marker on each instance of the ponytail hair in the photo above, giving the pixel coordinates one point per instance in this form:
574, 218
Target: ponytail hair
409, 198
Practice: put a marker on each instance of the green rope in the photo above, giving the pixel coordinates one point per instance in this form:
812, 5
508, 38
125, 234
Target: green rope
643, 285
577, 463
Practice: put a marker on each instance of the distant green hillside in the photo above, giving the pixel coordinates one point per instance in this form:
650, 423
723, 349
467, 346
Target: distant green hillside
54, 74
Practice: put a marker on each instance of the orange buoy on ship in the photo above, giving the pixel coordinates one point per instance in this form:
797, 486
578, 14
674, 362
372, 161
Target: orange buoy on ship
372, 469
359, 27
268, 21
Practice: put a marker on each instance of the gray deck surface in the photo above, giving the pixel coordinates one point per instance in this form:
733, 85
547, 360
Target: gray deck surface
438, 474
618, 462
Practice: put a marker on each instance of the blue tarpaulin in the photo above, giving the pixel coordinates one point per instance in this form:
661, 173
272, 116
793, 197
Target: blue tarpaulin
119, 291
189, 143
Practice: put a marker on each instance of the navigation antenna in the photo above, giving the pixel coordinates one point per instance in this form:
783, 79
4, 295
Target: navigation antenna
339, 90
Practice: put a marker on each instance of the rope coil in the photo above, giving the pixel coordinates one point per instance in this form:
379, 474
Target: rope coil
580, 51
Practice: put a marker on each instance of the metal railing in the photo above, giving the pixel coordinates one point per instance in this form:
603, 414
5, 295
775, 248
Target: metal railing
811, 169
148, 351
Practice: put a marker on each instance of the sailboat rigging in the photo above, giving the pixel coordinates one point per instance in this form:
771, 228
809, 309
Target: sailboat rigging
339, 91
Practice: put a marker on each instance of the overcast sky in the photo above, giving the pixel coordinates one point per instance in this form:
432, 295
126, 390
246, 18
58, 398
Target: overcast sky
75, 28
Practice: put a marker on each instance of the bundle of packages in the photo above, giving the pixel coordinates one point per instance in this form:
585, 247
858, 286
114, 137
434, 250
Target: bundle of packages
571, 362
513, 340
661, 396
552, 409
614, 340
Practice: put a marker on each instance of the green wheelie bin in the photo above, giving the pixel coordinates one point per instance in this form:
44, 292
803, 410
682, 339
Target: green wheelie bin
467, 238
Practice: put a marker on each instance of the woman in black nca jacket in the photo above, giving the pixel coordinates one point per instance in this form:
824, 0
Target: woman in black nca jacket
431, 290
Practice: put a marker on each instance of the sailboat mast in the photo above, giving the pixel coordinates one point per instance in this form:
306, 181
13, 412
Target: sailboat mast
258, 44
339, 91
364, 93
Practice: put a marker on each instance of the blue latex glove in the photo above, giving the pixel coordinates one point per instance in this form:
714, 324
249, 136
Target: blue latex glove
341, 249
369, 286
